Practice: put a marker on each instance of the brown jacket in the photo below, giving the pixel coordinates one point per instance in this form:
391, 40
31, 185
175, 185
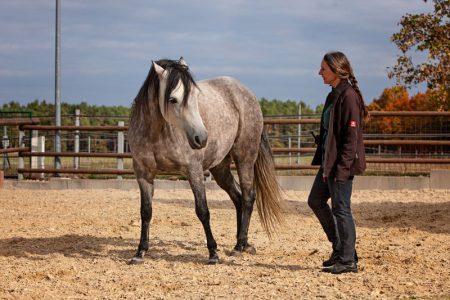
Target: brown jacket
344, 149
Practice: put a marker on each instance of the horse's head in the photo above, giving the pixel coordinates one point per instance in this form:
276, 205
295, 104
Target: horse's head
178, 108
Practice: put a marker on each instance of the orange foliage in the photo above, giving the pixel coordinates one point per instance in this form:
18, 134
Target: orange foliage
397, 99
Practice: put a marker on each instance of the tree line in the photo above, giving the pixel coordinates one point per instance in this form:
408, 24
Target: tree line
395, 98
428, 33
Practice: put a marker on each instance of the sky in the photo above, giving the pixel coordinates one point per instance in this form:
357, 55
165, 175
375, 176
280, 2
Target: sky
273, 46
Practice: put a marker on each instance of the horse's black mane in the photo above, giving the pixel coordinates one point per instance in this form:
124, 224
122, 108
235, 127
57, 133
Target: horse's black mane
150, 87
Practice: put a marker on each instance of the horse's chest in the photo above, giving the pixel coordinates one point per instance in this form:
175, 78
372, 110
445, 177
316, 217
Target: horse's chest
170, 158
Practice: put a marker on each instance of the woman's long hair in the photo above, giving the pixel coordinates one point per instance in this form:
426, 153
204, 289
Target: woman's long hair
340, 65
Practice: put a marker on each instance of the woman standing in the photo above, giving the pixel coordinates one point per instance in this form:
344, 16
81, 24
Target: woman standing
340, 154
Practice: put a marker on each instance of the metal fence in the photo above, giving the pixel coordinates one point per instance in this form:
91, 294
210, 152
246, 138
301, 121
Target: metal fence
396, 143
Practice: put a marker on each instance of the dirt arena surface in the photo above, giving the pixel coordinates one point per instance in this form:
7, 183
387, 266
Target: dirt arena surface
75, 244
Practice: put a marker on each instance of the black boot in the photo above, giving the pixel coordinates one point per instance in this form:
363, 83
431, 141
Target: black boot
339, 268
332, 260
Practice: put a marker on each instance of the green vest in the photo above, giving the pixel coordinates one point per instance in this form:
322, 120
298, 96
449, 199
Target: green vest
325, 124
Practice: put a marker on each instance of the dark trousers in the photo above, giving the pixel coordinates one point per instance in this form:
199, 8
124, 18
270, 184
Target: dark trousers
337, 221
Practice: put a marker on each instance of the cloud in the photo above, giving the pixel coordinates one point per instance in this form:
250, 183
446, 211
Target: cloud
275, 47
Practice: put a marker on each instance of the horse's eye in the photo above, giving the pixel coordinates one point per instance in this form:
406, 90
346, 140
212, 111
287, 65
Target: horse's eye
173, 100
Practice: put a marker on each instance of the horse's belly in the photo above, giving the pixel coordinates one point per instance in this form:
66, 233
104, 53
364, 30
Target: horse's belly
218, 147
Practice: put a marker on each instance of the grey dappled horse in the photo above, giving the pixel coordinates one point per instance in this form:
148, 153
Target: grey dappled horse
178, 125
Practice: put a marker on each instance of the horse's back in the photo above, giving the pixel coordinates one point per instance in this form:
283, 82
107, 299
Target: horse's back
231, 92
237, 114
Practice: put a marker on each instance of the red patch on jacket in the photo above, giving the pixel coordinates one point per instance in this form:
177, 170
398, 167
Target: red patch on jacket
352, 123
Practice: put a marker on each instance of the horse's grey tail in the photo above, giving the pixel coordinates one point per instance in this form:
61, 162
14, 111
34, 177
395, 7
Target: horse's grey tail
268, 191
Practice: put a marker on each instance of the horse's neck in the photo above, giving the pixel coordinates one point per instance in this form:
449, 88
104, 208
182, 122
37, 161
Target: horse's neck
154, 127
149, 122
155, 122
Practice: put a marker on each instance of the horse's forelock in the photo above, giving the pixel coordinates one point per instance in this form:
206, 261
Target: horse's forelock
178, 72
150, 87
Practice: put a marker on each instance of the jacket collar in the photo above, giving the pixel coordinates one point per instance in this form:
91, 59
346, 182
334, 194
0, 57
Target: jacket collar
342, 86
337, 91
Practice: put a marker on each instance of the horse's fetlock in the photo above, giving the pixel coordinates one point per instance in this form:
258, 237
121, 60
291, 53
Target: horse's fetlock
241, 244
143, 247
212, 246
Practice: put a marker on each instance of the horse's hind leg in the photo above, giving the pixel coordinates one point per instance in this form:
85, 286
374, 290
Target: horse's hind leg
224, 178
246, 175
202, 211
146, 190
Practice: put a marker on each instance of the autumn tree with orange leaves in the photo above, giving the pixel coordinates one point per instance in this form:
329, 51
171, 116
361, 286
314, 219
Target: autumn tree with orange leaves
428, 33
397, 98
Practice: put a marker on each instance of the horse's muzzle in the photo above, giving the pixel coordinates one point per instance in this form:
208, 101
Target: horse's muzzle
198, 141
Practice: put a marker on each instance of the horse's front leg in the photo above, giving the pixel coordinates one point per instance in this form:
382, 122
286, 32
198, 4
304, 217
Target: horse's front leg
202, 211
146, 188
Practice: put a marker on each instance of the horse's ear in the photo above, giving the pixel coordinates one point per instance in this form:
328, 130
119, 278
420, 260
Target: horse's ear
182, 62
159, 70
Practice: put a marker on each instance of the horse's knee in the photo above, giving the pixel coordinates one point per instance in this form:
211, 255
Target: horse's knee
146, 213
202, 214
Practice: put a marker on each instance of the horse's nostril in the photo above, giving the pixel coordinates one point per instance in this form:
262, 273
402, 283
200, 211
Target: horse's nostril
197, 140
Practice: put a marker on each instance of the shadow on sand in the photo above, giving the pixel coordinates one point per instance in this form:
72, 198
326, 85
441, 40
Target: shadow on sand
430, 217
92, 247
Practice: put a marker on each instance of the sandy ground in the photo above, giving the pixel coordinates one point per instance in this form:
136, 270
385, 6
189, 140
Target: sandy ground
75, 244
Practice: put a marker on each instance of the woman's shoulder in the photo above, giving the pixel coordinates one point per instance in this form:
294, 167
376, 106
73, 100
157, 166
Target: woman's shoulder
349, 98
344, 91
347, 88
349, 92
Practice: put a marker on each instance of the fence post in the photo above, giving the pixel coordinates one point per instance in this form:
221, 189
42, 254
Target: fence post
120, 145
37, 145
299, 143
5, 145
41, 159
290, 146
21, 163
34, 148
76, 160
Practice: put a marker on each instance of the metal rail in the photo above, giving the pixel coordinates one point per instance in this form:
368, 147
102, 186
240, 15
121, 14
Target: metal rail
18, 121
13, 150
74, 128
77, 154
408, 142
278, 166
33, 124
408, 160
291, 121
76, 171
376, 113
303, 150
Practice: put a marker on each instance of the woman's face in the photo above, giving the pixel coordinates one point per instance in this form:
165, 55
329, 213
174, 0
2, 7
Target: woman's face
328, 76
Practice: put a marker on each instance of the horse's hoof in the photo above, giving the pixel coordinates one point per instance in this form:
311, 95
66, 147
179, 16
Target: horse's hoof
235, 252
250, 249
136, 261
213, 260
